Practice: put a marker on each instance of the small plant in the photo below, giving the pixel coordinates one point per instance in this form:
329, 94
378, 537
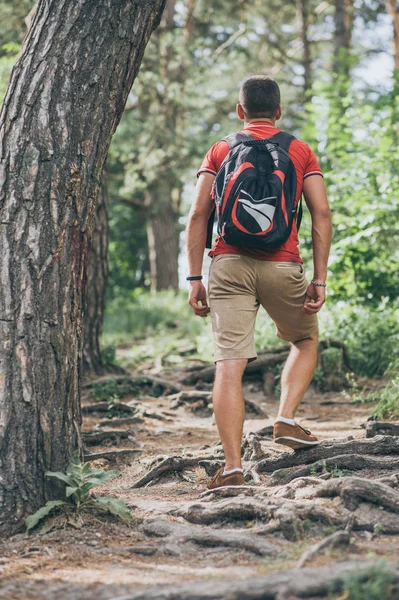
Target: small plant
80, 479
388, 400
336, 472
104, 390
378, 528
108, 355
375, 583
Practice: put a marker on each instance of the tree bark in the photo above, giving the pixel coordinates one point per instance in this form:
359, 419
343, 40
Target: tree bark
163, 244
65, 98
97, 277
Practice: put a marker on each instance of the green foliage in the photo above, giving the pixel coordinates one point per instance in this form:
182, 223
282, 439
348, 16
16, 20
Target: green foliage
371, 336
387, 400
108, 355
79, 480
375, 583
40, 514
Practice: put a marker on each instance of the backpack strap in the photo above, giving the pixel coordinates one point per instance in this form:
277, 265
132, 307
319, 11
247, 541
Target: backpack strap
284, 140
237, 138
234, 139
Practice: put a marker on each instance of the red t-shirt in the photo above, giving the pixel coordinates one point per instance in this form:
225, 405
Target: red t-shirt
305, 163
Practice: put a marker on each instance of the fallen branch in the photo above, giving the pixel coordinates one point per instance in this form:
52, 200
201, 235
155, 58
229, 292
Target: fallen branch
338, 538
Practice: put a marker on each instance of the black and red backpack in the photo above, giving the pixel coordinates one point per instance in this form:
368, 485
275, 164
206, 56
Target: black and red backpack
254, 192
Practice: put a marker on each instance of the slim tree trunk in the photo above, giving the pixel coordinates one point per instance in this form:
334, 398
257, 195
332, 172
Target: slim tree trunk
393, 10
65, 97
97, 276
163, 243
303, 18
343, 18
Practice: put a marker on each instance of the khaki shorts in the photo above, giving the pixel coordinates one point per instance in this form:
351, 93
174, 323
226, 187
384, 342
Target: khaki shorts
238, 285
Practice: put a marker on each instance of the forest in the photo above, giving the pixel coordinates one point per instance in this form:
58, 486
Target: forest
107, 431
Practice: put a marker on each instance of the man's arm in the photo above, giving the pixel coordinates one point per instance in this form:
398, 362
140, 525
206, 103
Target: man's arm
314, 191
196, 240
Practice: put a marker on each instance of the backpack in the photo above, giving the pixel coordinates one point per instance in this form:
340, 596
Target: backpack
254, 193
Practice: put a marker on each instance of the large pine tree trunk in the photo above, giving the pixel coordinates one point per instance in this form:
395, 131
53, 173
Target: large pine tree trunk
97, 277
163, 244
65, 98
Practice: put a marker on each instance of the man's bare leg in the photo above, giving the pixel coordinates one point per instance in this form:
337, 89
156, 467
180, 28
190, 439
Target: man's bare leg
297, 375
228, 405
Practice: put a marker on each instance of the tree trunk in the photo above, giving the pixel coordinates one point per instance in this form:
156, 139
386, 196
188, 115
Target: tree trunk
65, 97
343, 18
303, 17
163, 244
97, 276
393, 10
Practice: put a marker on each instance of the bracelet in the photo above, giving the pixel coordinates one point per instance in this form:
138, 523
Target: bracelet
194, 278
324, 285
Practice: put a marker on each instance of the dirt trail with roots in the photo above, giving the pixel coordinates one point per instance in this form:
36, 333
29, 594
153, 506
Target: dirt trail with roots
303, 521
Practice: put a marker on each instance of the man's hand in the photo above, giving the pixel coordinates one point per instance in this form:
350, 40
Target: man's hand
315, 298
197, 295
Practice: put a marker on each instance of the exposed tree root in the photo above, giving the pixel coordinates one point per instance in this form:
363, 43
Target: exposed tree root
114, 436
352, 462
283, 585
114, 454
200, 402
281, 515
146, 383
354, 489
170, 464
378, 446
264, 362
178, 533
117, 422
377, 428
104, 407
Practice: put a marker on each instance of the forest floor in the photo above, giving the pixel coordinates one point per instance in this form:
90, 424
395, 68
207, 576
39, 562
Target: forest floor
305, 523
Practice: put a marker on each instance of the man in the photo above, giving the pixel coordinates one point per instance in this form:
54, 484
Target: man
241, 279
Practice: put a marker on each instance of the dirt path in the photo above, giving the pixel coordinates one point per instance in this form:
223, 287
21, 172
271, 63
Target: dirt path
186, 543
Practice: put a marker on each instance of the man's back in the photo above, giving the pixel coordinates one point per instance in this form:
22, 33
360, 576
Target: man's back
305, 164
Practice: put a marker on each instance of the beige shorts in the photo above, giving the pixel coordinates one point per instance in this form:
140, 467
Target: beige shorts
238, 285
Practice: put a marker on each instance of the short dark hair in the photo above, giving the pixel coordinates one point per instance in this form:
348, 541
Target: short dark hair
260, 97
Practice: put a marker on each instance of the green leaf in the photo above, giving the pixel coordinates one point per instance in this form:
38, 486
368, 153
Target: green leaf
70, 490
34, 519
103, 476
59, 475
114, 505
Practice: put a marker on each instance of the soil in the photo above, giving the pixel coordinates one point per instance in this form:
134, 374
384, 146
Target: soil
172, 549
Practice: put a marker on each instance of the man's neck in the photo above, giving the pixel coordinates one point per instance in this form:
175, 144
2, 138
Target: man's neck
260, 120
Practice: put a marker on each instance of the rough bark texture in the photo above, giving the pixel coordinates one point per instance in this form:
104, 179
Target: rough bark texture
97, 277
65, 98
